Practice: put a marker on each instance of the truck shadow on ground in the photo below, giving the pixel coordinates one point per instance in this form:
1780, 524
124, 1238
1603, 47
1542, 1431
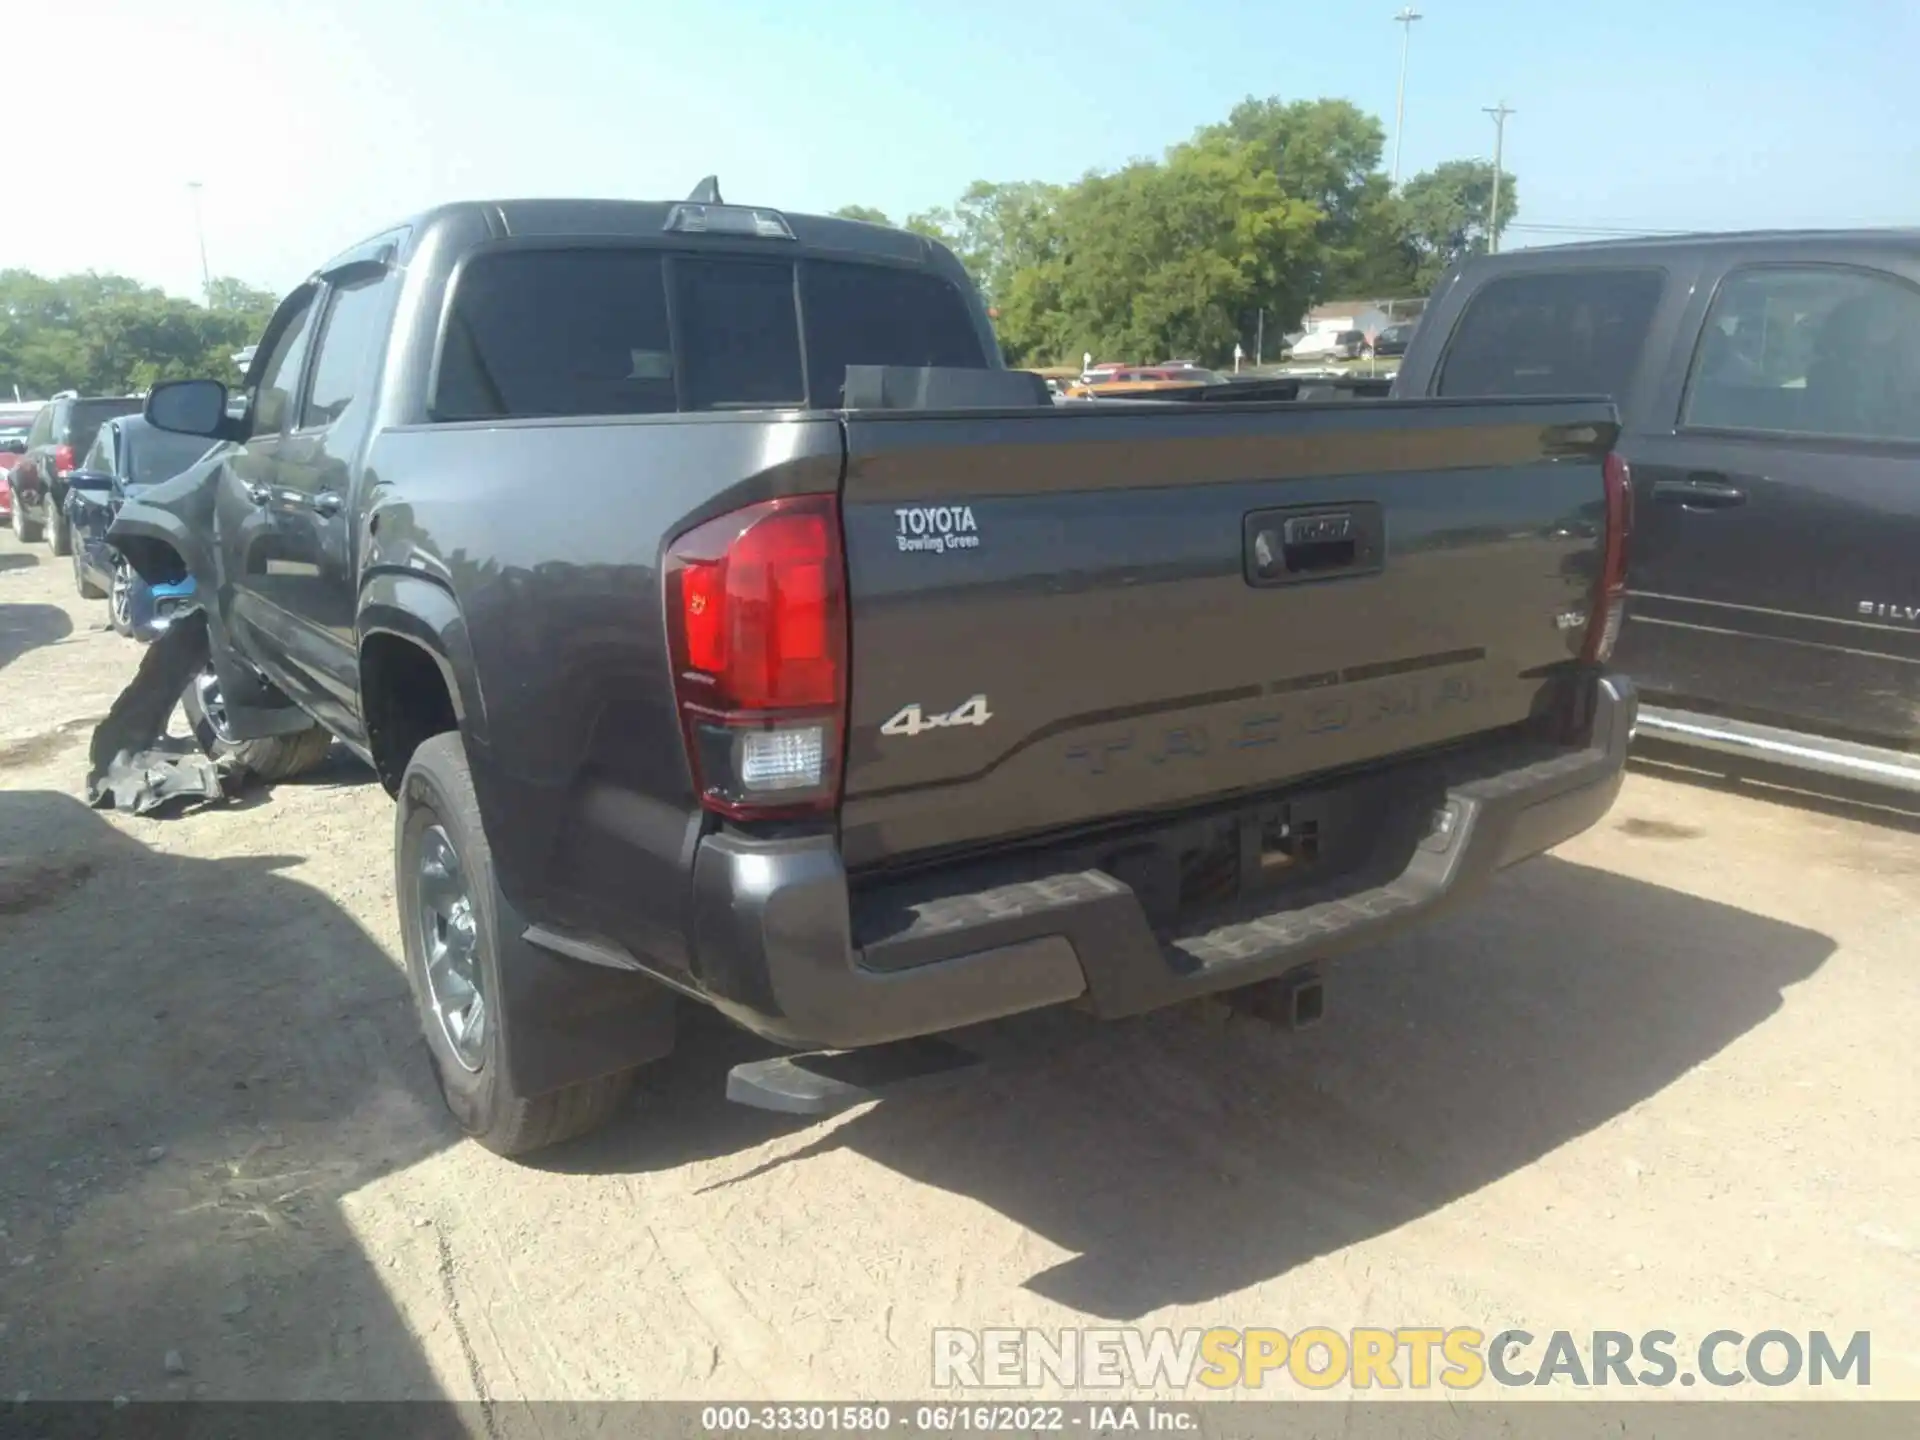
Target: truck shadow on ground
198, 1059
1186, 1156
28, 627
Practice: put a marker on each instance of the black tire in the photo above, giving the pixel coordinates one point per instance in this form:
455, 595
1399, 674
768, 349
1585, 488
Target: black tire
120, 597
88, 590
25, 528
272, 757
59, 532
437, 804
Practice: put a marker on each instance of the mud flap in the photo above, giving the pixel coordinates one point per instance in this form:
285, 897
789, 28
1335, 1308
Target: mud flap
127, 768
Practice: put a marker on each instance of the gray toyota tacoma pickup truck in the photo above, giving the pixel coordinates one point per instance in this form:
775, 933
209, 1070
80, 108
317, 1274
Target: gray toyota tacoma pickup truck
730, 625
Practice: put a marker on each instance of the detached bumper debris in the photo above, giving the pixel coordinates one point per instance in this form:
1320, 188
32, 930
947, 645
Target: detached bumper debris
129, 766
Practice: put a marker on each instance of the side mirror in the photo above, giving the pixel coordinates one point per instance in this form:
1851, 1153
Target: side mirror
190, 407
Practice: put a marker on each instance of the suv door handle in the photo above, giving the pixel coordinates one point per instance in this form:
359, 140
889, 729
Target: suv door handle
1699, 492
257, 493
325, 503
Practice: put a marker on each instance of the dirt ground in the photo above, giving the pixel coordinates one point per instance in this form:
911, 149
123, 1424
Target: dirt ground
1663, 1078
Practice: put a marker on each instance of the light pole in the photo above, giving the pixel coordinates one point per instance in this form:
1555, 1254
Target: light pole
1404, 20
1499, 113
200, 234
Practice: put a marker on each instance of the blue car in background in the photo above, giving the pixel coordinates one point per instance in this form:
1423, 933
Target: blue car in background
127, 456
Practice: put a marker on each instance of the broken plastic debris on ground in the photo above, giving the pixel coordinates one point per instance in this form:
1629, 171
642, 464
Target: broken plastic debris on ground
132, 765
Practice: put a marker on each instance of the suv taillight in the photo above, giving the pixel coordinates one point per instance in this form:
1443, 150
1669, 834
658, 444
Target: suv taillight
62, 459
757, 627
1610, 599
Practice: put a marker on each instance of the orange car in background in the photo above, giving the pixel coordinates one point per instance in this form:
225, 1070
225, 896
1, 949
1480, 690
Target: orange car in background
1141, 380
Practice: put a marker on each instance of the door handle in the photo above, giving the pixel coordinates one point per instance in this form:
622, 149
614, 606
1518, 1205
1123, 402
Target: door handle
258, 494
1699, 492
325, 503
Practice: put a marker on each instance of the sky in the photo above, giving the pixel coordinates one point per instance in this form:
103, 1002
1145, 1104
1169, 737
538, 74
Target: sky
309, 126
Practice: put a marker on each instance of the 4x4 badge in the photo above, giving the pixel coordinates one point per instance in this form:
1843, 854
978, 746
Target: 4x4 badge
910, 720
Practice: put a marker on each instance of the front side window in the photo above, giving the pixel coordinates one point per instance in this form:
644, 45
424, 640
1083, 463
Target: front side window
1809, 350
1553, 332
280, 377
356, 327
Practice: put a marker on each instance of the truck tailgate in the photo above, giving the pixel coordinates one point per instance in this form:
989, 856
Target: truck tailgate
1065, 617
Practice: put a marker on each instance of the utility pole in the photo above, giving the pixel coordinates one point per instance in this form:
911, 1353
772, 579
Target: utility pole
1260, 337
1404, 20
200, 234
1499, 113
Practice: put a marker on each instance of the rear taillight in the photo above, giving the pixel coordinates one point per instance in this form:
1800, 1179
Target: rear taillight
62, 459
757, 627
1610, 598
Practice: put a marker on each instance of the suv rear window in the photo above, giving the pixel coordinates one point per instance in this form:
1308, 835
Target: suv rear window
83, 419
1552, 332
585, 332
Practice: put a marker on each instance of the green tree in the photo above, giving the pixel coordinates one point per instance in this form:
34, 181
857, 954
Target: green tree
1447, 213
862, 212
108, 334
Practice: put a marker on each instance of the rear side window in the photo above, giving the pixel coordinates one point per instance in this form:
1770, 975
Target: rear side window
873, 315
1554, 332
99, 456
1809, 350
549, 332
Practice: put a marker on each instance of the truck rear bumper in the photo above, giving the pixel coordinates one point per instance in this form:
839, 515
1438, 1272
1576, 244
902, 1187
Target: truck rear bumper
789, 949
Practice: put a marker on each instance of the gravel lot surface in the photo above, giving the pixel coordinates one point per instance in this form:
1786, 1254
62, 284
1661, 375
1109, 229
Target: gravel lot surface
1663, 1078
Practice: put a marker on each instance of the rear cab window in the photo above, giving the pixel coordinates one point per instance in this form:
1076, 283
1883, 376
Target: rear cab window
85, 417
1552, 332
634, 331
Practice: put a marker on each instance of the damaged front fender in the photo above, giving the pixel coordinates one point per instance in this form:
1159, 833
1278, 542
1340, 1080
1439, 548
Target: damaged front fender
168, 535
166, 532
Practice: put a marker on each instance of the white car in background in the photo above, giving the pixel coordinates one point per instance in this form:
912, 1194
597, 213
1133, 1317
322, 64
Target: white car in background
1330, 345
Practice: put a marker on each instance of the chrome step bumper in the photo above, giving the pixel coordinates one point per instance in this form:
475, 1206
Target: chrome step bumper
1842, 759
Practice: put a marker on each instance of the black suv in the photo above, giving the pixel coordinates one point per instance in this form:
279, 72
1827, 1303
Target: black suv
1769, 394
62, 432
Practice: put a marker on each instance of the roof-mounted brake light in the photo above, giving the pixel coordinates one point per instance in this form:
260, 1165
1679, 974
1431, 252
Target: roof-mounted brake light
688, 218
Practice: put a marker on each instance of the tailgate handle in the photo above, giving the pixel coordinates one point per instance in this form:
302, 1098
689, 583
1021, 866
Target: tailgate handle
1701, 490
1313, 543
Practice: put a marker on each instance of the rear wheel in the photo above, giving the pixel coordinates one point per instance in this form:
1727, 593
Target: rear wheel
59, 533
25, 527
455, 923
272, 757
88, 590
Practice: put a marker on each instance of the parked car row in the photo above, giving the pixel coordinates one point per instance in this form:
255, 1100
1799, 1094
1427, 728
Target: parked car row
66, 466
127, 457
